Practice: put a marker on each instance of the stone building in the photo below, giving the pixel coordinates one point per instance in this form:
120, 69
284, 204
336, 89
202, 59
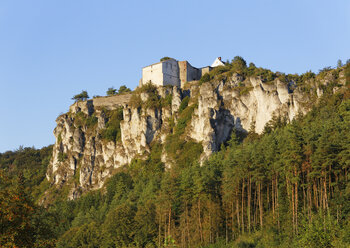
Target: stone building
217, 62
173, 72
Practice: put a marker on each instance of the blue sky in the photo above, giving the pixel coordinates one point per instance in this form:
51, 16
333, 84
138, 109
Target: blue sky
50, 50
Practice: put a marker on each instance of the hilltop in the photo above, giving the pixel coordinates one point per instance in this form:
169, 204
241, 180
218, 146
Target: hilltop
98, 136
242, 157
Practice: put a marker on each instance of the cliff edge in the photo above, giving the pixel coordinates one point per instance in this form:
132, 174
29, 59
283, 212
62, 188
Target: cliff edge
98, 136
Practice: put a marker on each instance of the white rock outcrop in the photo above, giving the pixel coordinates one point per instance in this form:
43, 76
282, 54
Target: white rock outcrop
81, 157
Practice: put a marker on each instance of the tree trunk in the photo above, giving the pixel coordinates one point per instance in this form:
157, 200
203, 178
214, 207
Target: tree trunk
242, 216
248, 203
260, 205
200, 221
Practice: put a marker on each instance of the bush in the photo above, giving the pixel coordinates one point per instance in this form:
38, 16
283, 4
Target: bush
183, 152
347, 74
154, 100
204, 78
83, 120
112, 130
147, 88
123, 89
165, 58
91, 121
111, 91
61, 157
135, 101
167, 101
184, 104
239, 64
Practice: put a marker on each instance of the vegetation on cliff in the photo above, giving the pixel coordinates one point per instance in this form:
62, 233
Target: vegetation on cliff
306, 82
288, 187
112, 130
122, 90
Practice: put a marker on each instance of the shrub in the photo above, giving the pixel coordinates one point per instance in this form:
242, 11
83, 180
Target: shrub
204, 78
80, 119
153, 101
112, 130
167, 101
147, 88
59, 138
239, 64
183, 152
184, 104
347, 74
245, 90
111, 91
135, 101
91, 121
61, 157
123, 89
165, 58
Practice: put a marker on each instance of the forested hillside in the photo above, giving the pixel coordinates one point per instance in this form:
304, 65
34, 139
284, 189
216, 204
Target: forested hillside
288, 187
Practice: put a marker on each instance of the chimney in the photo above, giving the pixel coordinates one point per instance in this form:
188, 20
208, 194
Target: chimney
219, 58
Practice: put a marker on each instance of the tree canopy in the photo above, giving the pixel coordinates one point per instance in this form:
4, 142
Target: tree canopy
122, 89
81, 96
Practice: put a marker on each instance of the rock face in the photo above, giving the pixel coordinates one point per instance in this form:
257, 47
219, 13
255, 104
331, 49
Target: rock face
84, 158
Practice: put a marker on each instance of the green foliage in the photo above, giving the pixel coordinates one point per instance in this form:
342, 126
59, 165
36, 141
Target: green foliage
83, 120
59, 138
182, 151
322, 231
91, 121
81, 96
164, 59
135, 101
167, 100
184, 103
244, 90
347, 74
239, 64
119, 225
288, 187
154, 100
323, 72
30, 162
111, 91
339, 63
205, 78
87, 235
265, 74
21, 222
61, 157
123, 89
112, 130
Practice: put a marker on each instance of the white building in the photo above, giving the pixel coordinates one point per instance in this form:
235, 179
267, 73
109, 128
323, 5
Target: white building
173, 72
217, 62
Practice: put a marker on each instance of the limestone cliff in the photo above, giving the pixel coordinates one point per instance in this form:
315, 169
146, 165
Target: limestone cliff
98, 136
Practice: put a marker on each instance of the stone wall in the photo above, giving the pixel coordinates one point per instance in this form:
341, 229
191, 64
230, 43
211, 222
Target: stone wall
188, 72
206, 69
153, 73
170, 71
108, 102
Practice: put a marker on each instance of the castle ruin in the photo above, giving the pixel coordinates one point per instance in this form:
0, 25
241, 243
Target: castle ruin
173, 72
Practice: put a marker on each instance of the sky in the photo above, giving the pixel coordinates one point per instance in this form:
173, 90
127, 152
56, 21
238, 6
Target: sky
51, 50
